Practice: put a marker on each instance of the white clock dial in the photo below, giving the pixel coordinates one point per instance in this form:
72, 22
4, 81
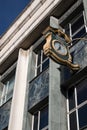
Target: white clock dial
59, 47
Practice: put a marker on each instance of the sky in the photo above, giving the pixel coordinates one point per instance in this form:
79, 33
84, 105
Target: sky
9, 10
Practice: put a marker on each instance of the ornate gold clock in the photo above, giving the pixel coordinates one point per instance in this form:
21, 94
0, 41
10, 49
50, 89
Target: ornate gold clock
57, 48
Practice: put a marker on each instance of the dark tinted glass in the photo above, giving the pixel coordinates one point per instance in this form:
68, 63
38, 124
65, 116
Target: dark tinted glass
67, 31
82, 92
80, 33
77, 24
5, 128
82, 112
39, 57
35, 121
45, 65
71, 97
73, 122
38, 70
44, 57
44, 117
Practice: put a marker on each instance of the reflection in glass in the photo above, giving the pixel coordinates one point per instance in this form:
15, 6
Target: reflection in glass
79, 33
82, 92
45, 65
73, 122
82, 112
44, 118
71, 96
76, 25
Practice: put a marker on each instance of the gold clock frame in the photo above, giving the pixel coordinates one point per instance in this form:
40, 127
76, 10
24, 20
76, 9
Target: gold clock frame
51, 52
53, 42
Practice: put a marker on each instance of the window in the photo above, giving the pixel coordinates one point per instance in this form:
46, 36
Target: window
40, 119
76, 27
7, 89
77, 106
42, 61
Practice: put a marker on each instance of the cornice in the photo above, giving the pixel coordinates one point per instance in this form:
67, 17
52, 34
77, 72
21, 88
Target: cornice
26, 23
20, 21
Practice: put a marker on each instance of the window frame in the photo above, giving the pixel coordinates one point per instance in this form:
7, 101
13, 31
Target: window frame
41, 64
39, 113
73, 21
76, 108
40, 41
5, 79
71, 14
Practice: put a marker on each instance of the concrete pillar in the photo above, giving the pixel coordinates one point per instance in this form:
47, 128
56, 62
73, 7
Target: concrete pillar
19, 94
31, 73
57, 101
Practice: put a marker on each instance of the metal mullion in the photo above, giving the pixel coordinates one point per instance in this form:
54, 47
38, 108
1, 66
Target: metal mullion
78, 30
36, 65
84, 17
73, 110
70, 30
77, 119
46, 127
41, 60
45, 60
38, 120
67, 102
32, 123
82, 104
7, 85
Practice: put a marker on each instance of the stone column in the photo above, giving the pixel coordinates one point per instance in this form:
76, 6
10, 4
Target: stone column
57, 101
31, 74
19, 94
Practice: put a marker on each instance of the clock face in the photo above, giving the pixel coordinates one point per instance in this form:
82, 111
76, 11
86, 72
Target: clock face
59, 47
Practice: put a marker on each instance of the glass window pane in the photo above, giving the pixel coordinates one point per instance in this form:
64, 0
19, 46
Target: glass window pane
80, 33
45, 65
44, 117
39, 58
38, 70
77, 24
73, 122
44, 57
71, 96
35, 121
82, 92
10, 87
67, 31
82, 112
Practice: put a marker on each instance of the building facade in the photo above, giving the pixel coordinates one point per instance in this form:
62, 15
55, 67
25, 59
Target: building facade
37, 93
